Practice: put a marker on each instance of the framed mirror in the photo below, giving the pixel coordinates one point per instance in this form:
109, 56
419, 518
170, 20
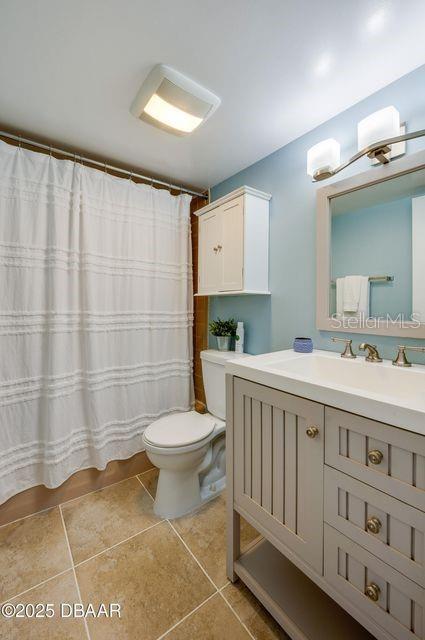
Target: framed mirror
371, 251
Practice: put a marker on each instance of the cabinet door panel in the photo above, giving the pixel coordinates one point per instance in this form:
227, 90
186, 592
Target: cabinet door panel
231, 246
209, 261
278, 468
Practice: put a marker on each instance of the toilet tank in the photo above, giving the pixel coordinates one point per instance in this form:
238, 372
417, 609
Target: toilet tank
213, 375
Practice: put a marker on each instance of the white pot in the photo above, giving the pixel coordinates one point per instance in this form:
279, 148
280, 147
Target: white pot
223, 343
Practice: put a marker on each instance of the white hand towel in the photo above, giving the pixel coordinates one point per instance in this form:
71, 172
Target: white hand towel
340, 297
352, 296
352, 290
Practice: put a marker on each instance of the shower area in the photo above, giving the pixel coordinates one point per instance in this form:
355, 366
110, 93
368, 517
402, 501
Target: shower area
96, 316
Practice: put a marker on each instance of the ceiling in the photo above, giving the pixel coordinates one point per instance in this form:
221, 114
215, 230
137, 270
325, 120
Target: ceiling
70, 70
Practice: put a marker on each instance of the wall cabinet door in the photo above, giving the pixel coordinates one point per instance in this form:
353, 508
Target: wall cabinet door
209, 241
278, 467
231, 246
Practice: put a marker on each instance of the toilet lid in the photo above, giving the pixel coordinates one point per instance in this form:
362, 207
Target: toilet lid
180, 429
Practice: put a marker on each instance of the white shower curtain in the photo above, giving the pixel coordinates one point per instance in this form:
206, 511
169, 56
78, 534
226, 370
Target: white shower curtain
95, 316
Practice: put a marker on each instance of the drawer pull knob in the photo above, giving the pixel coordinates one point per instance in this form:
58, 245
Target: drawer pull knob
312, 432
373, 592
373, 525
375, 456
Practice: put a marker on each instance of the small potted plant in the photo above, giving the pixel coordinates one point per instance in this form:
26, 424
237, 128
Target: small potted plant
224, 330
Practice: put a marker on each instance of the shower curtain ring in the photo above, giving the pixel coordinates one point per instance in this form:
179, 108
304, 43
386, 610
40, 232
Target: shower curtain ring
131, 175
20, 142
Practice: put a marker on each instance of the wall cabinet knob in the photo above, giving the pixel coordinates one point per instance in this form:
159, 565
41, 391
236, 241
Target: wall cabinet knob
373, 525
219, 247
373, 592
215, 249
375, 456
312, 432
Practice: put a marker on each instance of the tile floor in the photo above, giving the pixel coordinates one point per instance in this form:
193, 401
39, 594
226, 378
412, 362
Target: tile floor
109, 547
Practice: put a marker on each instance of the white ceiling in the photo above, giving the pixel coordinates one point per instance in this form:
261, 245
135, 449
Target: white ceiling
70, 70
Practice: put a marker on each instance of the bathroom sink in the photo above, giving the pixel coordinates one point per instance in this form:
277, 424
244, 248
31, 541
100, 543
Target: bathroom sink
384, 392
408, 384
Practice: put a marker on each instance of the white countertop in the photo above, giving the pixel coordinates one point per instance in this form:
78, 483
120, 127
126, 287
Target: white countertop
379, 391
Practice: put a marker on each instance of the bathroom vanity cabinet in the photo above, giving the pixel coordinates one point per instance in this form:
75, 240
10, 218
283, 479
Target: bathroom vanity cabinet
339, 500
233, 247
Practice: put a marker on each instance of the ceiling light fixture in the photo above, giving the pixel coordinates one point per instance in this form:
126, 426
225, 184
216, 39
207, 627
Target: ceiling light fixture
379, 138
169, 100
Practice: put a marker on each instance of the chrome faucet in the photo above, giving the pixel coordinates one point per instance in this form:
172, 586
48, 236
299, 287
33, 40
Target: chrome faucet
348, 351
372, 352
401, 360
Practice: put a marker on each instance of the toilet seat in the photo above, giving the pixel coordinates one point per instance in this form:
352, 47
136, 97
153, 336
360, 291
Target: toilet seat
180, 430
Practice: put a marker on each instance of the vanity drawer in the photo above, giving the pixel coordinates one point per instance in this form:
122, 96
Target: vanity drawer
388, 458
388, 528
395, 603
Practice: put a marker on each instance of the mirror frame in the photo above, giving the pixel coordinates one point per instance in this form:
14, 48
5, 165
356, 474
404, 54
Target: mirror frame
324, 195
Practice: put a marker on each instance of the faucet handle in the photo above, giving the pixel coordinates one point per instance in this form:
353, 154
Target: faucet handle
401, 359
348, 351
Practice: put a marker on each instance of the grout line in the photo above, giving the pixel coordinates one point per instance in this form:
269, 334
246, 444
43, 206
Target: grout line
107, 486
143, 472
186, 616
36, 513
186, 545
39, 584
53, 506
73, 569
117, 544
193, 555
236, 614
146, 489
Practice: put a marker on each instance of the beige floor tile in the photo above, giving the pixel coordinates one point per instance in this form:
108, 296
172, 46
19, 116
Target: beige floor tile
98, 520
213, 621
150, 480
55, 591
152, 576
204, 531
31, 550
252, 613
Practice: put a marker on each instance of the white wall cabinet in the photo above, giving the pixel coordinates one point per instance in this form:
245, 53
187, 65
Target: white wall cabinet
234, 244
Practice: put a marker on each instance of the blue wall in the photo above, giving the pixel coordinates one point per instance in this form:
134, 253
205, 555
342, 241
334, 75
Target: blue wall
271, 324
377, 240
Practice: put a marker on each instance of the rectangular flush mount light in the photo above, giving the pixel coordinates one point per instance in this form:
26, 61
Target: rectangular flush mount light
169, 100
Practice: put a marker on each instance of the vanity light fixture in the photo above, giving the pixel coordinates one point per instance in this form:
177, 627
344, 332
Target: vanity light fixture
323, 158
169, 100
379, 137
381, 125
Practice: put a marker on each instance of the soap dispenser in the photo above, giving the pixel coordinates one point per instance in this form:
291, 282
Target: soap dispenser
239, 338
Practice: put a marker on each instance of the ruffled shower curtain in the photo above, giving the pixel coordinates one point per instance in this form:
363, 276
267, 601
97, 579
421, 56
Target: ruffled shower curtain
95, 316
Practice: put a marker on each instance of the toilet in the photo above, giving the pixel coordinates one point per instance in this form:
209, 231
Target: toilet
189, 448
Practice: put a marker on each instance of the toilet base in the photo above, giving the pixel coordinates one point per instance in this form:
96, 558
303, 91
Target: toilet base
178, 492
181, 490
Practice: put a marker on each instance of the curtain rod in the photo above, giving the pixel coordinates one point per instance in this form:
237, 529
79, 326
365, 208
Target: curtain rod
104, 165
